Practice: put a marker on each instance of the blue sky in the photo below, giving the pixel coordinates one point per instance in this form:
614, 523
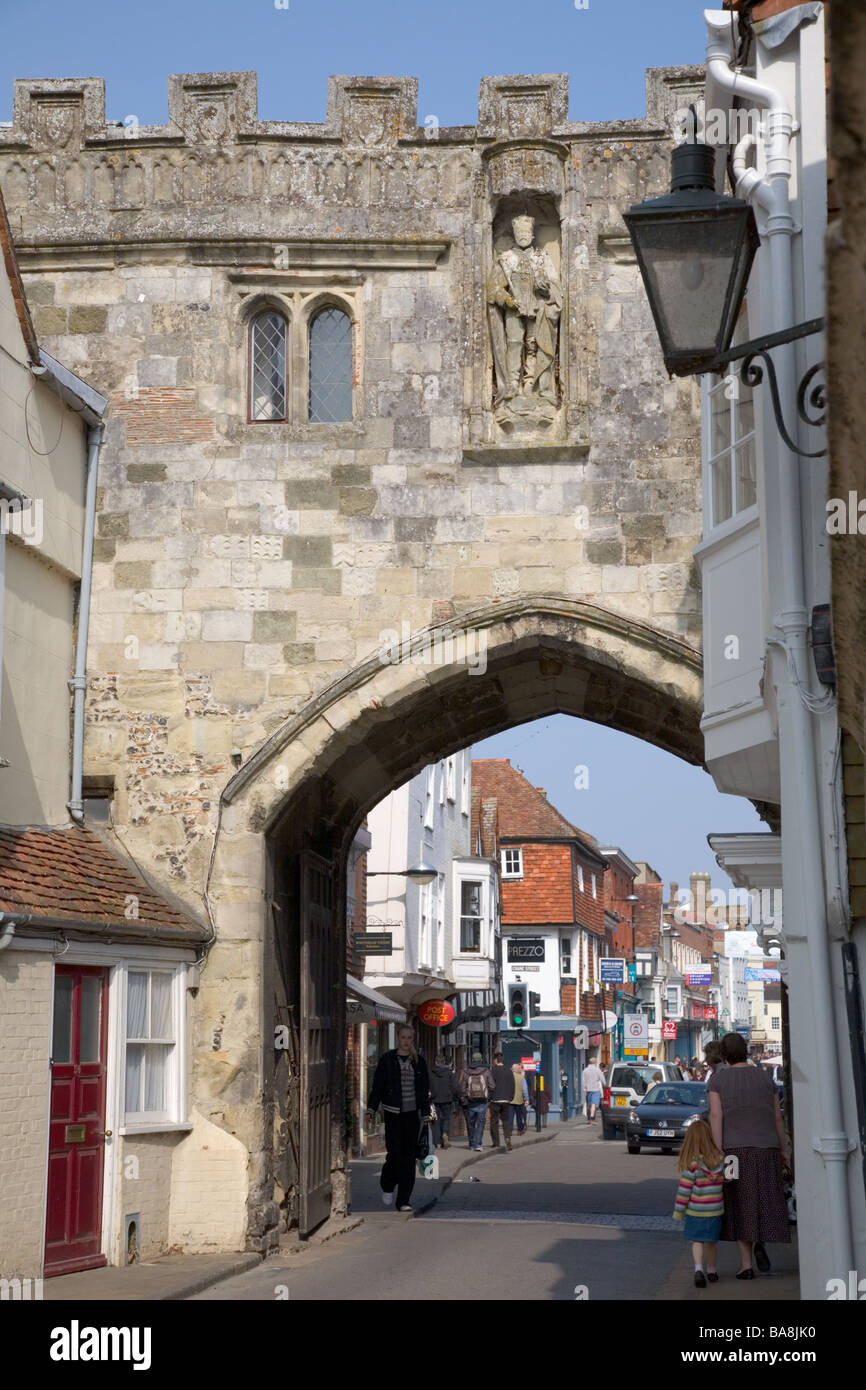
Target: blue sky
449, 46
656, 807
651, 804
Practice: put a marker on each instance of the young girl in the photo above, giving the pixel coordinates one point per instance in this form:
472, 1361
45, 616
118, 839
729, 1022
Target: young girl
699, 1198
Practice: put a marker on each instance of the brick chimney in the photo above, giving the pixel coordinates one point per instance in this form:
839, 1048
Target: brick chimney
542, 792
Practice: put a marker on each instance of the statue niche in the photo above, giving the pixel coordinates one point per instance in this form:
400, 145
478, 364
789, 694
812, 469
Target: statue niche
524, 304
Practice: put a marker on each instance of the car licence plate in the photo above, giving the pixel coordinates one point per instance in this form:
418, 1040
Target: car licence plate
661, 1134
620, 1100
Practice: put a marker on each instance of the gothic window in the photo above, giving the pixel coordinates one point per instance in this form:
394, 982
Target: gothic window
330, 367
268, 391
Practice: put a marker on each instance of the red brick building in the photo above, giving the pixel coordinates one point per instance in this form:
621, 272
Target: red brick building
553, 913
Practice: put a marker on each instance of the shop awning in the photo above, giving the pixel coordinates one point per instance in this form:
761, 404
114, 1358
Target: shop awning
364, 1005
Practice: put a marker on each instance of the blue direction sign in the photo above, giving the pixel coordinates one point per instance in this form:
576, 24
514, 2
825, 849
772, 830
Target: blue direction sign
632, 973
612, 970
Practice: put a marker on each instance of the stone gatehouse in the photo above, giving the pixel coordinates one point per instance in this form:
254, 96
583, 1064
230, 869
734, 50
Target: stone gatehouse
368, 380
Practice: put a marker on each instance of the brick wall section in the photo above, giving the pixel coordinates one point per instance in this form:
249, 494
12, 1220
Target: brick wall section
647, 914
164, 415
143, 1186
544, 893
568, 999
25, 1045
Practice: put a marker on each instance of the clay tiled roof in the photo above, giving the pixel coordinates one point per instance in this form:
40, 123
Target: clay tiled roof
523, 810
68, 875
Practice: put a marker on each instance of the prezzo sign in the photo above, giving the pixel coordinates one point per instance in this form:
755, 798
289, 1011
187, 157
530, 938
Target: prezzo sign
522, 949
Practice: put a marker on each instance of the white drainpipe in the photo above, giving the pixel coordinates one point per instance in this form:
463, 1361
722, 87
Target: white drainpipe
807, 902
75, 804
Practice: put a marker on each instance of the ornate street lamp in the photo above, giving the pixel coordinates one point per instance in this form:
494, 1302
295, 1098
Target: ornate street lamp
695, 249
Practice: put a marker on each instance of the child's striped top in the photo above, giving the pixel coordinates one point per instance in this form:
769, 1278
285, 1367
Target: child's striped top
700, 1192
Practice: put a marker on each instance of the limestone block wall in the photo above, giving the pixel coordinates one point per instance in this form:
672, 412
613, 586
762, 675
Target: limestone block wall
242, 567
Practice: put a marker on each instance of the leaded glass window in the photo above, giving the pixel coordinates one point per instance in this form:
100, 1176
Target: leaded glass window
268, 367
330, 367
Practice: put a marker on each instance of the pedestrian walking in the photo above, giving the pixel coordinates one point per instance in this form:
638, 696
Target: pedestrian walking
401, 1085
520, 1099
500, 1101
475, 1087
593, 1084
443, 1094
699, 1202
747, 1125
541, 1101
712, 1059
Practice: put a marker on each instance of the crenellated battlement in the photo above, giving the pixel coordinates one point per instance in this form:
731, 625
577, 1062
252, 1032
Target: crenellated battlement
69, 175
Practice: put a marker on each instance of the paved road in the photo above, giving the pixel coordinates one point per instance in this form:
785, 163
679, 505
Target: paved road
576, 1217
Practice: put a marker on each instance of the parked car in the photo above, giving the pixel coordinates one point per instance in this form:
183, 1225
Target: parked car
661, 1119
629, 1081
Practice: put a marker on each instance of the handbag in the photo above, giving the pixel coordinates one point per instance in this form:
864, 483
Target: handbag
423, 1144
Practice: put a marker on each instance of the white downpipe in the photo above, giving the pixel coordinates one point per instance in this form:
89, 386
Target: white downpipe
75, 804
773, 196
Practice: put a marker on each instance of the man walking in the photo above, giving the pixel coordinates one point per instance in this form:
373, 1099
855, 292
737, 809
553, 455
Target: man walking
520, 1099
443, 1093
475, 1087
402, 1085
593, 1085
500, 1101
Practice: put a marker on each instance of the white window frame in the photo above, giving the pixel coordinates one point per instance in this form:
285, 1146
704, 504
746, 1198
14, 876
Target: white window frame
565, 954
171, 1113
732, 388
464, 786
442, 784
580, 877
512, 873
439, 945
594, 885
481, 953
425, 910
429, 796
451, 778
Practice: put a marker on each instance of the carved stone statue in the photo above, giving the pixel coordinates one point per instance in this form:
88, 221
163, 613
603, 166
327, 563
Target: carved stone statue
524, 298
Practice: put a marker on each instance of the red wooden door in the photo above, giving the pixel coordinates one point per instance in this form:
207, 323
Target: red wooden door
76, 1137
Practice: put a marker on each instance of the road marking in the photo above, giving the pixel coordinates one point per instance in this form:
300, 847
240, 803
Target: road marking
575, 1218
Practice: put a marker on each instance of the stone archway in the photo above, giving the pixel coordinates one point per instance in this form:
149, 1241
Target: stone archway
308, 787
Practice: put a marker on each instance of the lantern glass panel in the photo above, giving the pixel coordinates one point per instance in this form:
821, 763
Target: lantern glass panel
689, 266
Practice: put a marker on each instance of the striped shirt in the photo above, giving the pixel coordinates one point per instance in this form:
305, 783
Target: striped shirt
409, 1101
700, 1192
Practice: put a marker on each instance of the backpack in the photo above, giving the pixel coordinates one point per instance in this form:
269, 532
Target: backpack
476, 1085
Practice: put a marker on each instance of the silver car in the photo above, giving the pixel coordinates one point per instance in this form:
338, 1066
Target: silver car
630, 1081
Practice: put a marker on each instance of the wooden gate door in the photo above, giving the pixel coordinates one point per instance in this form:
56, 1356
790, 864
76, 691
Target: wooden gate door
76, 1142
318, 1038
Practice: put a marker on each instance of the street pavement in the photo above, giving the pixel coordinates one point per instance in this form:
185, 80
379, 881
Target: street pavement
572, 1218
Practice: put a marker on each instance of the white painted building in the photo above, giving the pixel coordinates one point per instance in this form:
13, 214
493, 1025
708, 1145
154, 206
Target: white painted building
446, 933
770, 727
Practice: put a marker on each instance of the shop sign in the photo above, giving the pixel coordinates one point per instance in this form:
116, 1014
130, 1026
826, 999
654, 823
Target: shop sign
436, 1013
523, 949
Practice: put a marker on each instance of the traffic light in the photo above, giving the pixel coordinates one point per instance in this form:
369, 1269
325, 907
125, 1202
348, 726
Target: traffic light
518, 1015
534, 1003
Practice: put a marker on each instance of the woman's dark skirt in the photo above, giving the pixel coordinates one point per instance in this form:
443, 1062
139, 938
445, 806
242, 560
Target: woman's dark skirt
755, 1206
